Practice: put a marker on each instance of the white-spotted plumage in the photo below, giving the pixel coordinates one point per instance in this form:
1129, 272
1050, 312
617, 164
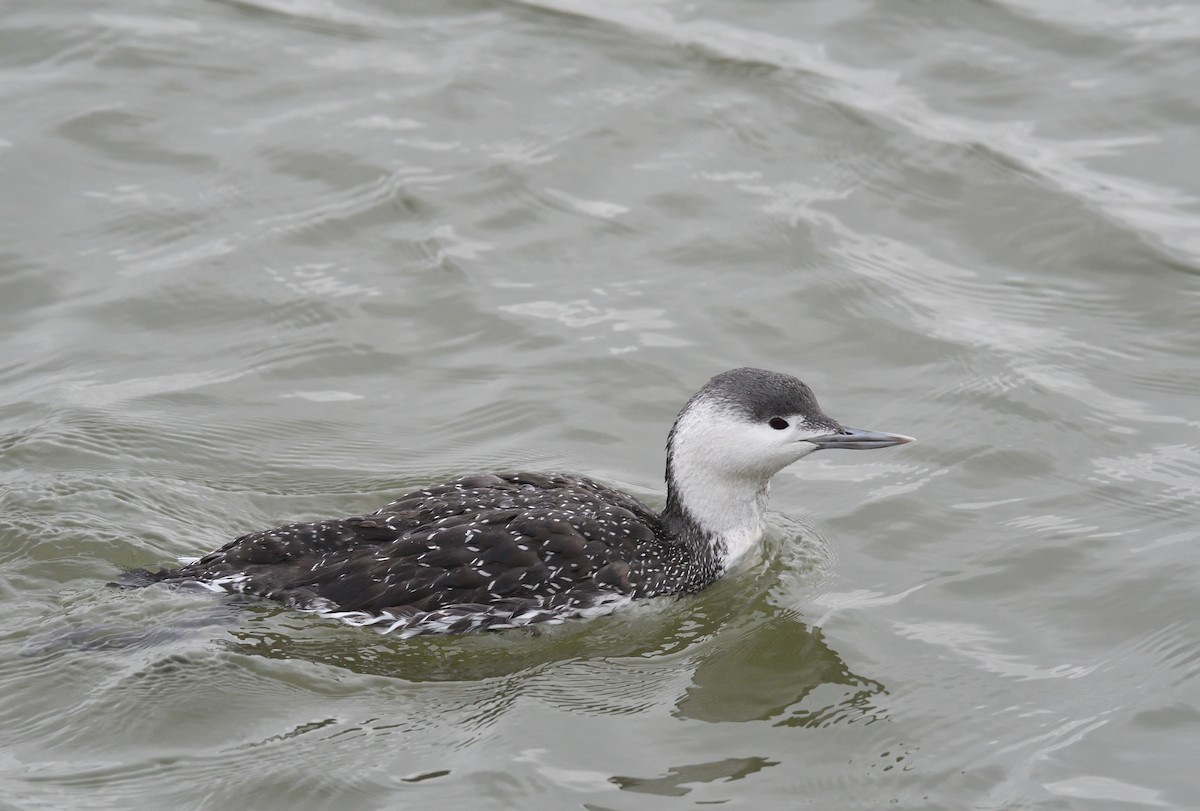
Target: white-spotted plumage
508, 550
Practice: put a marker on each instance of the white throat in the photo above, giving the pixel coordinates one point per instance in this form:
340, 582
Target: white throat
729, 510
723, 491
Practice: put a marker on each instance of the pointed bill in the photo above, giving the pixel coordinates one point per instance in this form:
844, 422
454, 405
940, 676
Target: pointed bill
856, 439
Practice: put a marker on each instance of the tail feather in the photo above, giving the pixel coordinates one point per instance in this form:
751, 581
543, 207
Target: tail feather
140, 578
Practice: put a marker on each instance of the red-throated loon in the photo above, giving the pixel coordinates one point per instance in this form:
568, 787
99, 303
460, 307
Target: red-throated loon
511, 549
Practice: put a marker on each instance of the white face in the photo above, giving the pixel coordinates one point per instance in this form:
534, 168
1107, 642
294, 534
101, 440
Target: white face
731, 445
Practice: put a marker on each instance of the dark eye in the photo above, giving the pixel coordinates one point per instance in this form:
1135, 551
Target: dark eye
778, 423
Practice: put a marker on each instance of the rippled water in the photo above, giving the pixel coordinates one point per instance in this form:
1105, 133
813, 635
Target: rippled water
283, 259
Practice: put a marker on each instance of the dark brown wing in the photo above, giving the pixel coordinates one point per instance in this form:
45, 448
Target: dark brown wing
524, 541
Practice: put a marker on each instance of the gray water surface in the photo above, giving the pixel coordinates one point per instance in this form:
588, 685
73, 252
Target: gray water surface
284, 259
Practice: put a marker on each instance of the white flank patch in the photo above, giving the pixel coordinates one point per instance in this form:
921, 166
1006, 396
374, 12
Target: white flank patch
229, 584
441, 620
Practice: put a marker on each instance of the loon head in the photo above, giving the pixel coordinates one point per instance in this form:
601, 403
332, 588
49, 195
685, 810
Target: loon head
740, 429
